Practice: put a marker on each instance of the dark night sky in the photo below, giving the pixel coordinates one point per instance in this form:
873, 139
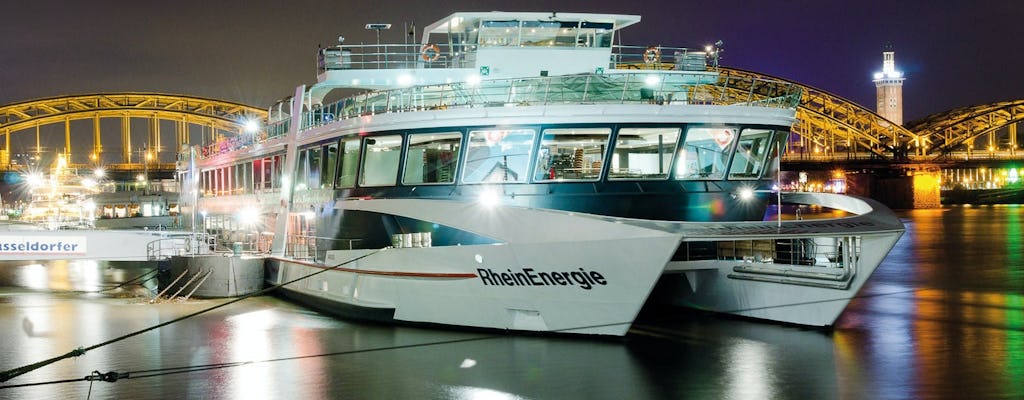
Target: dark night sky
954, 53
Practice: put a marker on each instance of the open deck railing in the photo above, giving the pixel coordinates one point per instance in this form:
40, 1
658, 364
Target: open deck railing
634, 78
649, 87
444, 55
315, 248
181, 244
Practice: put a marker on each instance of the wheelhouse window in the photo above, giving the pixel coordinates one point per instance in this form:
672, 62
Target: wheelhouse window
380, 164
705, 153
749, 160
643, 153
348, 162
549, 33
498, 155
571, 154
432, 158
595, 34
499, 33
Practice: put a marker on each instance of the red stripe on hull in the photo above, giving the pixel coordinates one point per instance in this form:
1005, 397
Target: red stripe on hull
384, 273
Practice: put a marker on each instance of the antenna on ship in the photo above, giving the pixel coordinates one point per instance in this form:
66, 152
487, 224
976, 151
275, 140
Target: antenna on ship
378, 28
410, 32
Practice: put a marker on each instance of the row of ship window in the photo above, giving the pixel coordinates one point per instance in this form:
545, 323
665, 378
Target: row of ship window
516, 155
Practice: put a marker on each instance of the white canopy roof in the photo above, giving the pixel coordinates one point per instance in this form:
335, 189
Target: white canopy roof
456, 20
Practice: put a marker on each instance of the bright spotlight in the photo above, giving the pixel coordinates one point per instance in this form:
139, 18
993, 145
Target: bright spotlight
745, 193
99, 172
404, 80
489, 198
652, 80
35, 179
473, 80
248, 216
251, 126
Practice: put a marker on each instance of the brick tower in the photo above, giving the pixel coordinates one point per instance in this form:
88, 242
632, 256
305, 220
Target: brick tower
889, 85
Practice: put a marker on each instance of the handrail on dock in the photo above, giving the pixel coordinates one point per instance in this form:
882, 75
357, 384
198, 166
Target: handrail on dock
195, 243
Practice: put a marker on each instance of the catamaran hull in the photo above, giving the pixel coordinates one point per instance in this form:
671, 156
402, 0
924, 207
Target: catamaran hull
591, 283
803, 295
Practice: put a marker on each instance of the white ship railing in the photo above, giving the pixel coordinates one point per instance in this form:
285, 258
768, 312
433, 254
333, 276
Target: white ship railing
180, 244
415, 55
314, 248
659, 87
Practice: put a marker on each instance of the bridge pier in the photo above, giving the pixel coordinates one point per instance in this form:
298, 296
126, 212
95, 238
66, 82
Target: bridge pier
914, 189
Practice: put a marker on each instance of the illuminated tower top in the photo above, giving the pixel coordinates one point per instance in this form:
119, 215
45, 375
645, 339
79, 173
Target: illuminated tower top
889, 88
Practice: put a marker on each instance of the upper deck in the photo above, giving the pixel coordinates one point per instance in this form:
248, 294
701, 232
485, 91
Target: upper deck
498, 45
509, 60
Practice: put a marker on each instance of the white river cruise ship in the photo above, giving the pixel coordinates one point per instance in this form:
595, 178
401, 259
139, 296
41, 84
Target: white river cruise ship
522, 171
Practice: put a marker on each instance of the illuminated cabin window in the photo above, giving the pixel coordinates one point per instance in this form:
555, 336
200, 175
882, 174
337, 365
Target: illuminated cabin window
301, 172
705, 152
572, 154
380, 165
328, 165
498, 155
348, 162
432, 158
312, 168
643, 153
749, 160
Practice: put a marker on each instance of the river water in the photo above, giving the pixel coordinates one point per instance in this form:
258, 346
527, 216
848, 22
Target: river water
943, 317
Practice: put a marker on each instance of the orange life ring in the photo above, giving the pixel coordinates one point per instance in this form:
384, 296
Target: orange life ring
430, 52
652, 55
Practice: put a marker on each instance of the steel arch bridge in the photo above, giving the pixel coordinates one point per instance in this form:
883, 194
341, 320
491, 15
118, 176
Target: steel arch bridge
957, 130
828, 127
831, 128
212, 117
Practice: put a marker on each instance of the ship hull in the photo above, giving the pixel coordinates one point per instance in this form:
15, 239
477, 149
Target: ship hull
548, 272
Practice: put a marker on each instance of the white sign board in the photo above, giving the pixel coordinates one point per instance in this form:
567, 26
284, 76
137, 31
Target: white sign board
42, 245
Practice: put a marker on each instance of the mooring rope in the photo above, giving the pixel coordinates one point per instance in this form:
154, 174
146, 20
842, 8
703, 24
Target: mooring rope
113, 376
125, 283
7, 375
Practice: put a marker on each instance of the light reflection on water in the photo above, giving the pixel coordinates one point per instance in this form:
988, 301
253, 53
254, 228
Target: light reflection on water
942, 318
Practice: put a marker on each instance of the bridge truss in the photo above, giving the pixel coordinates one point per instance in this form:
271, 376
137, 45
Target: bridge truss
958, 130
830, 128
214, 117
